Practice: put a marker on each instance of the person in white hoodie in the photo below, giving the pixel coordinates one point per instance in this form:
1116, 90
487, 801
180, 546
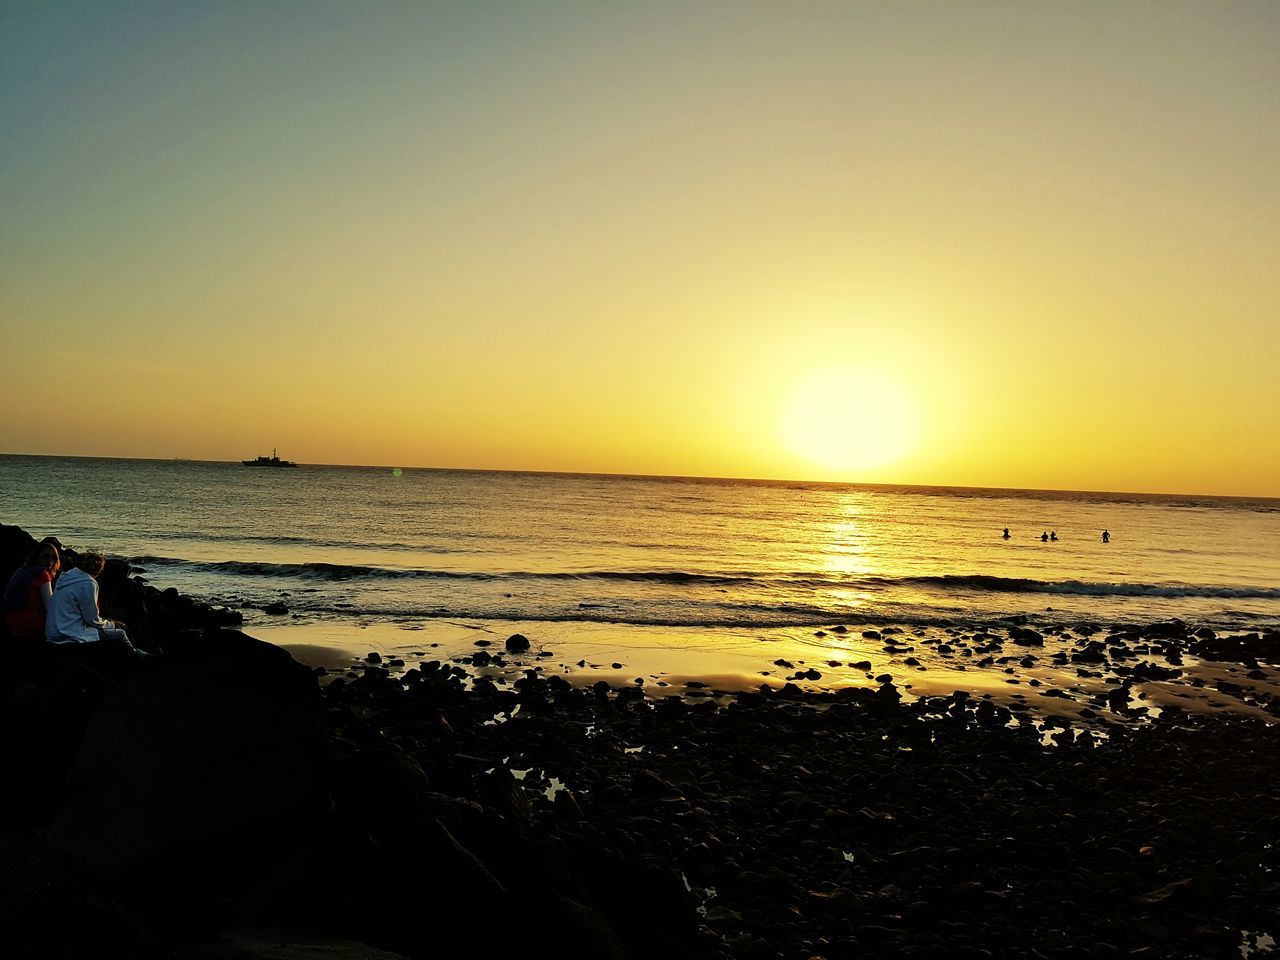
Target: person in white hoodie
73, 616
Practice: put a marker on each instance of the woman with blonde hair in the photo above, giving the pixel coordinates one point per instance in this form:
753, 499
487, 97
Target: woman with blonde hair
73, 614
29, 593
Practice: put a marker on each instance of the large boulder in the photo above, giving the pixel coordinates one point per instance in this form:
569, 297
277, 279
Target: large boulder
15, 544
196, 764
241, 944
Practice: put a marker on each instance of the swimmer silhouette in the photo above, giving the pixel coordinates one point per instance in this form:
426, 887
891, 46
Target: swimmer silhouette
1106, 537
1054, 536
1044, 537
1006, 533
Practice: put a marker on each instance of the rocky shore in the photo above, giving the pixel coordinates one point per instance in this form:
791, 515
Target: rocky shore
225, 801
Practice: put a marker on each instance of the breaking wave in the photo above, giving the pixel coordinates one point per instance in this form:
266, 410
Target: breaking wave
1087, 589
950, 583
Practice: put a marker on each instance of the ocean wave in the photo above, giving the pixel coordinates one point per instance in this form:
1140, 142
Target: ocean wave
816, 580
981, 582
747, 617
340, 571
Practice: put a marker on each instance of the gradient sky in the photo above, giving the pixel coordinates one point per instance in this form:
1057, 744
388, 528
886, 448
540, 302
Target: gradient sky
1038, 244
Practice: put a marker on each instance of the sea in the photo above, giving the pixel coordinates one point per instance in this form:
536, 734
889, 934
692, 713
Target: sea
410, 546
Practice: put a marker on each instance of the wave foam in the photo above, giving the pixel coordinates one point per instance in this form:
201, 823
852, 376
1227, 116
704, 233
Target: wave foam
946, 583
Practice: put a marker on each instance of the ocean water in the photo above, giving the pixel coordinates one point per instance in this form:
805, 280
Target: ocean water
406, 546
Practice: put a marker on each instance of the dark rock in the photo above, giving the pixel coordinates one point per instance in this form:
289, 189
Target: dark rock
239, 944
207, 759
517, 643
1092, 652
1025, 636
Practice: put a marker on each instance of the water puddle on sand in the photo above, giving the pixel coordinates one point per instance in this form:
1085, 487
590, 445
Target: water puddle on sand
534, 776
701, 664
1255, 944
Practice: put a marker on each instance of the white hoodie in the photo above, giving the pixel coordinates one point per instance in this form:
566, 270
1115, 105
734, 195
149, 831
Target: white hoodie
73, 613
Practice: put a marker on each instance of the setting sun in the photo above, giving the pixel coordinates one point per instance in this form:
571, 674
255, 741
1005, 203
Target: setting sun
846, 419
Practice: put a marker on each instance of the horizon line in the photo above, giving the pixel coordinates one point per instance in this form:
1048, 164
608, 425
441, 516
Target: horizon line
664, 476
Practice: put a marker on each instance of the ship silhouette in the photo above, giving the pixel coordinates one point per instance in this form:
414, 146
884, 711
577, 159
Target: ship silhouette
271, 461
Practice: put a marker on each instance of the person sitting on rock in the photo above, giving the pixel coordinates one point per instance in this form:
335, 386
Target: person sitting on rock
28, 595
73, 613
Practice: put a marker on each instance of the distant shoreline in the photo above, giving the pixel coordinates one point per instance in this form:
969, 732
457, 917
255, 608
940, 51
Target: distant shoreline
923, 489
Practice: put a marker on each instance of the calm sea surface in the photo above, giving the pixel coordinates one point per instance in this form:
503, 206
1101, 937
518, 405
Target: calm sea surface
350, 542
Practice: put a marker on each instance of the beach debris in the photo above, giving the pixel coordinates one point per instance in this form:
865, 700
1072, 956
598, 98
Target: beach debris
1025, 636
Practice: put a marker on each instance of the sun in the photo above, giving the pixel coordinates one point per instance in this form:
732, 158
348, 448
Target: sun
846, 420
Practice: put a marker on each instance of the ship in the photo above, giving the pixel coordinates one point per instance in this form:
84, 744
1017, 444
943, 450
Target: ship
271, 461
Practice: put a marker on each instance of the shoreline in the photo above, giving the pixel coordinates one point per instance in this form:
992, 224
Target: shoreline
1044, 669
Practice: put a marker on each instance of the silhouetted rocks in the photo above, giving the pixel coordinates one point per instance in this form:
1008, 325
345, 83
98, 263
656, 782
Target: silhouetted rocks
1026, 637
195, 762
189, 805
1250, 648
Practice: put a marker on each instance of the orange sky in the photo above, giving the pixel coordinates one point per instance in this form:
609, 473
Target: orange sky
997, 244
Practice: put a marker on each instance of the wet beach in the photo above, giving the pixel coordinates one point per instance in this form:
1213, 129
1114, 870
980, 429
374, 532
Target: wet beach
1088, 673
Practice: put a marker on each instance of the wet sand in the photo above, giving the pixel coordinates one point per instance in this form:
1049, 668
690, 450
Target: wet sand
1066, 673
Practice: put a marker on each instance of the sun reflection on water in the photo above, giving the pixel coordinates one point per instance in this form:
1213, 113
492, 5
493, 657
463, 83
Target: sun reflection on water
847, 599
845, 545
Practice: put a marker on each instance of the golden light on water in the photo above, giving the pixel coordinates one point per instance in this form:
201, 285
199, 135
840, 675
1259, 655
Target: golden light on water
845, 420
845, 551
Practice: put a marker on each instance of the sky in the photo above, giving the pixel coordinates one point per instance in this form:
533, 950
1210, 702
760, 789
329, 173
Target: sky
989, 244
